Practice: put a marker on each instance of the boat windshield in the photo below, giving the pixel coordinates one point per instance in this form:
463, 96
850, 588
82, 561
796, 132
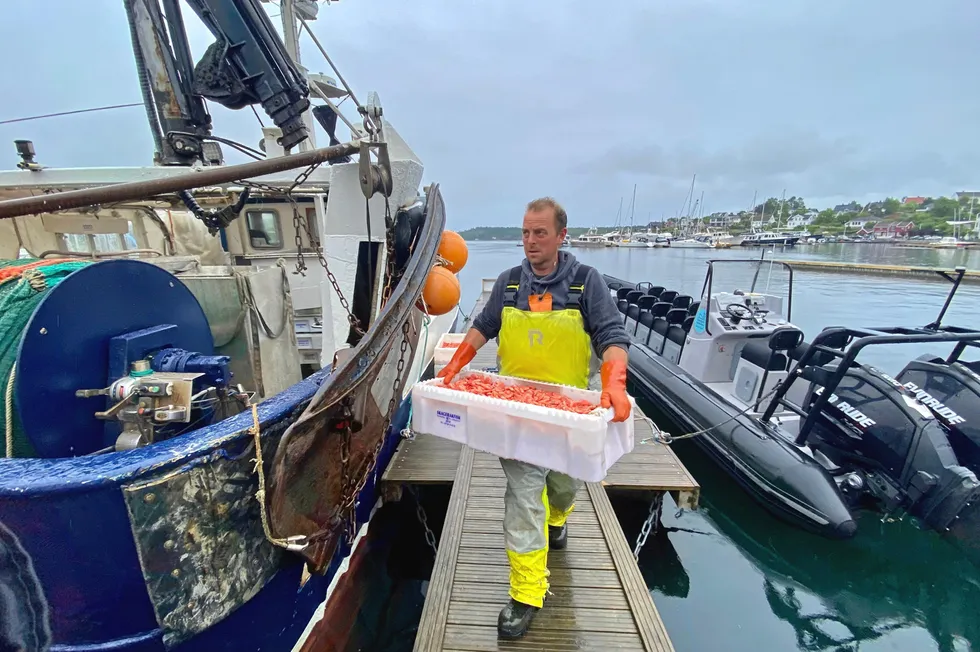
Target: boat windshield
746, 276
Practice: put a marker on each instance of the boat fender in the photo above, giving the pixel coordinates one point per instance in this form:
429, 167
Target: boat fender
23, 608
452, 249
441, 291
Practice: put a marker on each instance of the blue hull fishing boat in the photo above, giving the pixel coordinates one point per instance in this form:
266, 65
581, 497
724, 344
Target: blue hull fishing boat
193, 434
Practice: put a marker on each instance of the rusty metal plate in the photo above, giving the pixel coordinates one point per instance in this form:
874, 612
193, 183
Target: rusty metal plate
200, 541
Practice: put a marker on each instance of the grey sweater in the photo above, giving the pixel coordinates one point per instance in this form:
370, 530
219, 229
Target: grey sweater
603, 321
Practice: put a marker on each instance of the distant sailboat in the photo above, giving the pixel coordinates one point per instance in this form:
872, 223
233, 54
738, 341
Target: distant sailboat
630, 240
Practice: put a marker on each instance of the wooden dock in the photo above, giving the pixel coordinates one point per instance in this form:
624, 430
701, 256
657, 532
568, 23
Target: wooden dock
598, 597
927, 273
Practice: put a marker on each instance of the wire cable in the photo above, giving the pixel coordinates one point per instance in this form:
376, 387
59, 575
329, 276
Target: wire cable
54, 115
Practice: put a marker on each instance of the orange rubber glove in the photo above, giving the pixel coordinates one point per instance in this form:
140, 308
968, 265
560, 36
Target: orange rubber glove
464, 354
614, 389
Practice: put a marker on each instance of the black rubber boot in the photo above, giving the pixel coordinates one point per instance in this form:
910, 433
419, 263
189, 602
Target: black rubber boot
558, 537
514, 619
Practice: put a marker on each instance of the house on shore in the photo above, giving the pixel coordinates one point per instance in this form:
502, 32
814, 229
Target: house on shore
893, 227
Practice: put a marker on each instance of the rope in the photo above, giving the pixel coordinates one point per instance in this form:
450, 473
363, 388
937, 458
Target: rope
426, 319
289, 543
666, 438
8, 408
23, 284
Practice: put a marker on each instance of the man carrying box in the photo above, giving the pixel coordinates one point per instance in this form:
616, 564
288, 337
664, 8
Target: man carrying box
548, 314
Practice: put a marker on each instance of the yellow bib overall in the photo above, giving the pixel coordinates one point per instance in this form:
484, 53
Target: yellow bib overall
552, 347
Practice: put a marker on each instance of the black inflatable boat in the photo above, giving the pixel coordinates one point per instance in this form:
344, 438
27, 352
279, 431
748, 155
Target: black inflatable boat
808, 431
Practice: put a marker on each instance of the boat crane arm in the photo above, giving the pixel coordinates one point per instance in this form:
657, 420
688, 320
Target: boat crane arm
246, 65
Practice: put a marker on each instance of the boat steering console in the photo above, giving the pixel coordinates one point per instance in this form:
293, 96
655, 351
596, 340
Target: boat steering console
737, 312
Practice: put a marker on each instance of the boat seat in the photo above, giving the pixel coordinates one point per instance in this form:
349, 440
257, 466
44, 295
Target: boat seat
660, 309
757, 351
675, 334
623, 304
622, 292
660, 325
656, 290
668, 295
658, 334
644, 327
693, 308
644, 286
676, 316
632, 319
633, 296
682, 301
688, 323
819, 358
646, 302
770, 353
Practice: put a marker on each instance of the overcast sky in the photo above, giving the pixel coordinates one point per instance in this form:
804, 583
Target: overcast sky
505, 101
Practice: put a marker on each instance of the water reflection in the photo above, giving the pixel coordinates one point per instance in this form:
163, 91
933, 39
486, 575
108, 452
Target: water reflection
889, 583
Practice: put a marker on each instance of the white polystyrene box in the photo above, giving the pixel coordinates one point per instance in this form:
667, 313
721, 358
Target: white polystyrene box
441, 355
583, 446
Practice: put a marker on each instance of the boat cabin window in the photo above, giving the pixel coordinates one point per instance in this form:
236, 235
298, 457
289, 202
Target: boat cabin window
263, 229
312, 227
95, 242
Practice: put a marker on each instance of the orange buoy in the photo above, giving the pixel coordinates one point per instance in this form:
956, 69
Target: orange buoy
453, 249
441, 291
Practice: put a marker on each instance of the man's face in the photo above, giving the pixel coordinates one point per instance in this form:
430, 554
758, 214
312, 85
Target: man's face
541, 237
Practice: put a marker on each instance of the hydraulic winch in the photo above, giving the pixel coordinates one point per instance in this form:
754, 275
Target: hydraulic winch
130, 334
163, 389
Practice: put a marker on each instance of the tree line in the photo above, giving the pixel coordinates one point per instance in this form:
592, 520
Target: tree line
930, 217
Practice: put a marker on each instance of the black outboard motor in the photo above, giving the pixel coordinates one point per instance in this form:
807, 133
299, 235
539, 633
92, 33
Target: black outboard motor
873, 427
952, 394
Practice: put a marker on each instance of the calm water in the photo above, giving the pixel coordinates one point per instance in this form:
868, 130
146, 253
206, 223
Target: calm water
820, 299
729, 577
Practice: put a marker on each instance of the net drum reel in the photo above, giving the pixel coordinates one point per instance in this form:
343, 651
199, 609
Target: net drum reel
116, 355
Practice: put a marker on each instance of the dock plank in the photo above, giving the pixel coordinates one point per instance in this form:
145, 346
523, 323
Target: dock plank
432, 629
590, 619
474, 638
496, 593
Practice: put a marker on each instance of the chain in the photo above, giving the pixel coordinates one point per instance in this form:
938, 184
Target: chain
389, 254
300, 226
373, 461
345, 440
351, 489
430, 537
656, 505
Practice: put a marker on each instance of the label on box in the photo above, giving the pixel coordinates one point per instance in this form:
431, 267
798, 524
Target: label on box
304, 342
449, 419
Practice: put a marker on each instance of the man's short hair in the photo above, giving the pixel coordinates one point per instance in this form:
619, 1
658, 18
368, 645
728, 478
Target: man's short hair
561, 217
